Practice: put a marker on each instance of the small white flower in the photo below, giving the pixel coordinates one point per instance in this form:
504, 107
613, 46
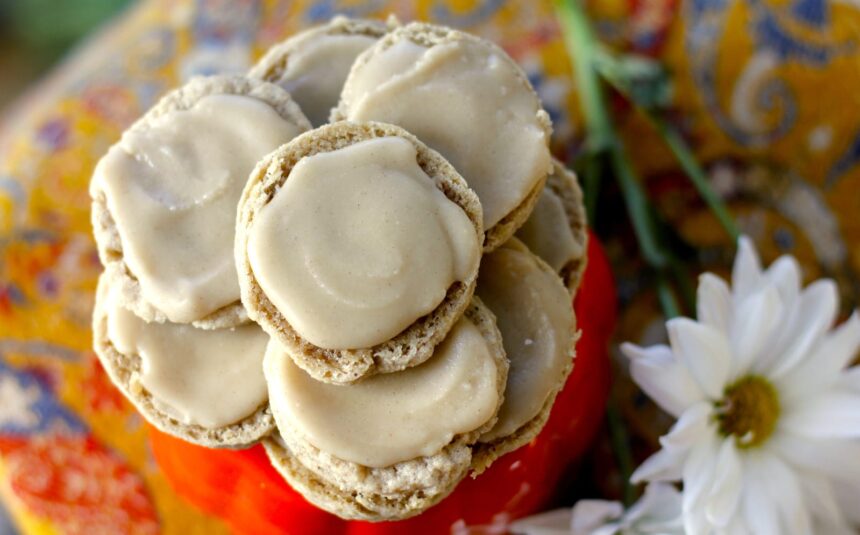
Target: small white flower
766, 441
658, 512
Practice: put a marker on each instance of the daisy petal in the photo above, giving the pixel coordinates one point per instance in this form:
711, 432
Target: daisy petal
834, 414
551, 522
737, 526
704, 351
746, 273
690, 429
754, 321
832, 529
665, 465
783, 489
714, 302
836, 458
588, 515
758, 508
831, 355
695, 522
662, 377
698, 472
784, 273
658, 511
846, 496
817, 310
724, 496
839, 348
819, 496
850, 379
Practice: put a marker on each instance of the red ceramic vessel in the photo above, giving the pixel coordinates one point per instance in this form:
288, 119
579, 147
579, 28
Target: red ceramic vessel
243, 489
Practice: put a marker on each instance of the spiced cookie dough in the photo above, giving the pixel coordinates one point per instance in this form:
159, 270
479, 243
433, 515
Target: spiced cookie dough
312, 65
466, 98
204, 386
165, 195
393, 445
537, 324
358, 249
556, 230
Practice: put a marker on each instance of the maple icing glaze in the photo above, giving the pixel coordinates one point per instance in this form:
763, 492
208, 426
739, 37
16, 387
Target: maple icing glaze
210, 378
547, 232
465, 100
535, 317
359, 243
393, 417
317, 68
172, 187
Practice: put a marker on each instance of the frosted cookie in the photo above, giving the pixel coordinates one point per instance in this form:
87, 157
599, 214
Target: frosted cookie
467, 99
204, 386
534, 314
357, 248
312, 65
556, 230
165, 196
393, 445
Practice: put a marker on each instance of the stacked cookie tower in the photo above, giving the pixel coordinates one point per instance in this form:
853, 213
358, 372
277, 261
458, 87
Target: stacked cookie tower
352, 294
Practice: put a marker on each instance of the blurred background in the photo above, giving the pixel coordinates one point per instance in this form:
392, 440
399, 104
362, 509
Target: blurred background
35, 34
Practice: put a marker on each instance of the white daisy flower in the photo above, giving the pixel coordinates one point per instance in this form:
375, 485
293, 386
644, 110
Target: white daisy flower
658, 512
768, 409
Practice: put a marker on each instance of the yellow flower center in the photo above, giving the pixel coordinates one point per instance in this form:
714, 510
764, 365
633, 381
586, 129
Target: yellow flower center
748, 411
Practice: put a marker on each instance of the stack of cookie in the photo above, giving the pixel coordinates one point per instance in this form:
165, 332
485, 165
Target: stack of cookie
353, 295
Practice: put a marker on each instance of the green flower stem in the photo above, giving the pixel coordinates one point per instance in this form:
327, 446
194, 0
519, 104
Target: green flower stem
667, 298
694, 172
601, 135
638, 208
601, 139
620, 441
685, 284
580, 41
611, 69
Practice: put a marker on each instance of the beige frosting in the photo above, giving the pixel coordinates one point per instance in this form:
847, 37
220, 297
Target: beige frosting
548, 234
535, 317
208, 378
394, 417
316, 70
466, 101
172, 188
359, 243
